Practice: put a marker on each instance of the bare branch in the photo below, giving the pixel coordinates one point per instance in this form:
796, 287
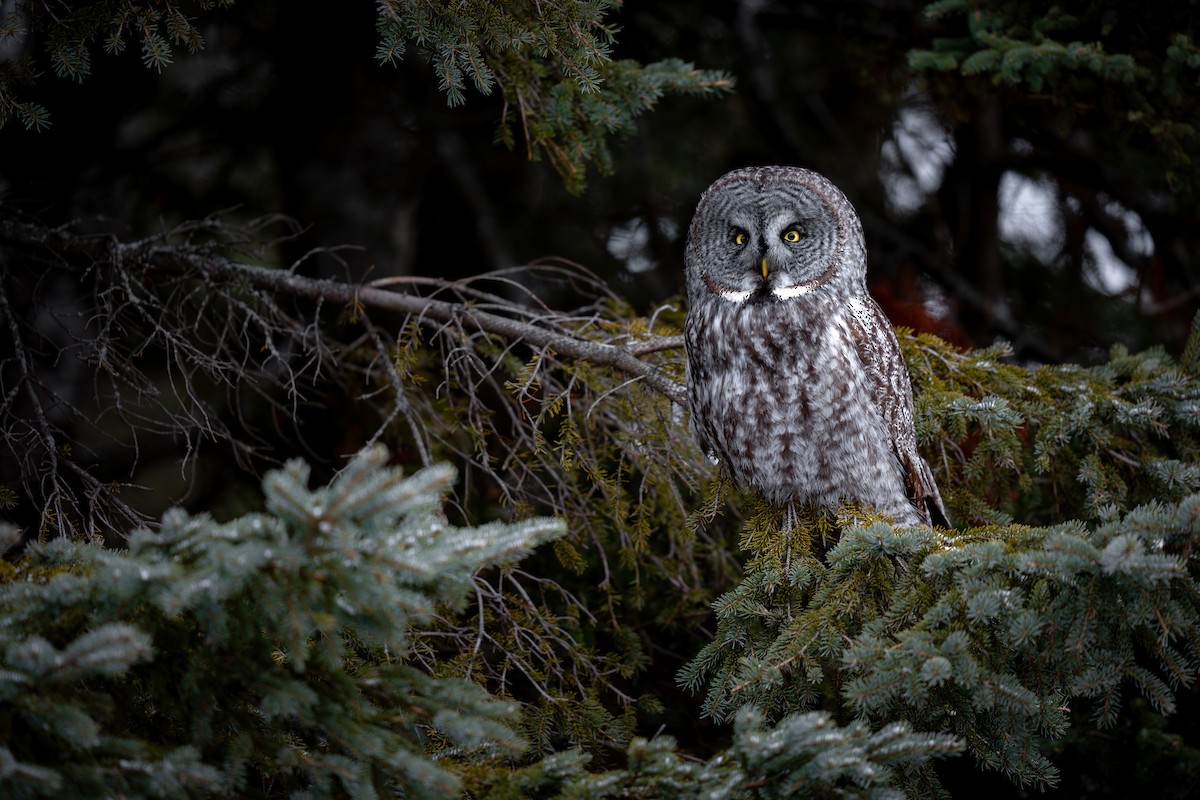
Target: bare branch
509, 368
159, 257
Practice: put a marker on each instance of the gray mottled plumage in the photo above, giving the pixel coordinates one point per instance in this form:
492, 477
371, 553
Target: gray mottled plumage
795, 380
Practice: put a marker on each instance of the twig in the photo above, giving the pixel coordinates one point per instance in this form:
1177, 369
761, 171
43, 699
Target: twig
427, 311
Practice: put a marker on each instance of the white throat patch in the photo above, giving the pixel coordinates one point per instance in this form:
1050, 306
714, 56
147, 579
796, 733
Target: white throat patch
782, 293
733, 296
788, 292
737, 296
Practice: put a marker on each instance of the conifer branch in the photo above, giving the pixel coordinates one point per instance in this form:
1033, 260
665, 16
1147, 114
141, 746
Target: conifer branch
280, 638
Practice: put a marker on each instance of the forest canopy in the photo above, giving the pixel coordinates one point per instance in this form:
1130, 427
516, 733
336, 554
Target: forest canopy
344, 451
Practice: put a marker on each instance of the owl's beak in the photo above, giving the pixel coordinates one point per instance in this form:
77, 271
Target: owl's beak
764, 267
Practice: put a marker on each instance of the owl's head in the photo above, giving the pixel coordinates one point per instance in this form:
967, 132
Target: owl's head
767, 234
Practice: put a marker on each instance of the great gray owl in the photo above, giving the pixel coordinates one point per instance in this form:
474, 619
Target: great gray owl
795, 380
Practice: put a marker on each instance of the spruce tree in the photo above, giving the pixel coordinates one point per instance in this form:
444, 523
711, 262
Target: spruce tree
266, 656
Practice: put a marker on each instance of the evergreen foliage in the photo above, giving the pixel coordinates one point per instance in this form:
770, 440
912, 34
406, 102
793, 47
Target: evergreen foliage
1045, 444
552, 62
265, 656
1140, 81
805, 755
69, 34
989, 634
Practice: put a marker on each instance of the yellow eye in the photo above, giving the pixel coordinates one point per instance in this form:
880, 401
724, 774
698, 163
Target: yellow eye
792, 236
739, 238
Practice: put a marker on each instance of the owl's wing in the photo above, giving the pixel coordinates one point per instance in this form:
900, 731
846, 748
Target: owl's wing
891, 389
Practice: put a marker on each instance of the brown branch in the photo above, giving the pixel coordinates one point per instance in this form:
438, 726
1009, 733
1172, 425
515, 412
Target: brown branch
430, 311
226, 337
159, 256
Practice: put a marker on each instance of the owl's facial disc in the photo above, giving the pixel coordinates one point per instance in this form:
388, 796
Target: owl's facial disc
774, 235
775, 248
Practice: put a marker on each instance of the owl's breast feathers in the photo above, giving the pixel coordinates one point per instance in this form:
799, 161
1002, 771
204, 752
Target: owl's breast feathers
808, 401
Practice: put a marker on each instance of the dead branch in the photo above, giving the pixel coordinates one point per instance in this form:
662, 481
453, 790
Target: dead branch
156, 256
225, 345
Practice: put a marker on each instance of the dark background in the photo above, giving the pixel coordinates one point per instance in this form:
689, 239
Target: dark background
287, 110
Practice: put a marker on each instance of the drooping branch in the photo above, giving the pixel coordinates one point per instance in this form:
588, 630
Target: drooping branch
228, 339
157, 256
